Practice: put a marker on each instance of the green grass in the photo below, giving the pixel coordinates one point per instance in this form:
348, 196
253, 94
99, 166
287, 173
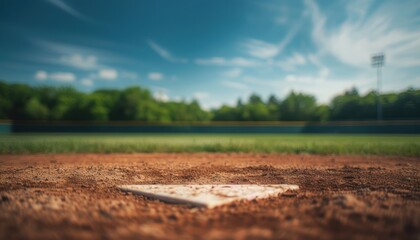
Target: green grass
401, 145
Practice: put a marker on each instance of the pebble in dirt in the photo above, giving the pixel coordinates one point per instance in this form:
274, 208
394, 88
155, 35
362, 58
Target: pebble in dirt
207, 195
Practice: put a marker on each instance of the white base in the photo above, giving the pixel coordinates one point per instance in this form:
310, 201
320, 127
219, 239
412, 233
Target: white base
207, 195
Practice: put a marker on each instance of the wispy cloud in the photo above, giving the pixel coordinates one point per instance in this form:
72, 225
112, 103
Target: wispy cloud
235, 85
324, 89
155, 76
262, 52
358, 8
165, 54
161, 94
61, 4
62, 53
41, 75
290, 63
62, 76
88, 62
233, 73
221, 61
361, 35
201, 95
55, 76
99, 64
321, 85
129, 75
108, 74
86, 82
281, 20
261, 49
265, 50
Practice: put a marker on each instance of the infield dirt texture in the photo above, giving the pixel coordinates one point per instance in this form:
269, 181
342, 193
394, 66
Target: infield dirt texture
49, 196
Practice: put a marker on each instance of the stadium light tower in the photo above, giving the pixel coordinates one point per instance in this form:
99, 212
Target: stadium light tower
378, 60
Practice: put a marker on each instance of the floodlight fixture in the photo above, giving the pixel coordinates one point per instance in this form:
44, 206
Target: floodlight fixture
378, 61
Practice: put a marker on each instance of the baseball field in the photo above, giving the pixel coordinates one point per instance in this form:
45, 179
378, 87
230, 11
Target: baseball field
61, 186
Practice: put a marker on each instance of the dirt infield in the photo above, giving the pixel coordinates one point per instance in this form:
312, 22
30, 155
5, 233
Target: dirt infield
74, 196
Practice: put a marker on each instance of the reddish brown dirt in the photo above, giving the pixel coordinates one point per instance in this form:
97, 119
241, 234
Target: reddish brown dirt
341, 197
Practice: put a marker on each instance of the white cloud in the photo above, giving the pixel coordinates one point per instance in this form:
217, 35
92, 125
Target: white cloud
220, 61
129, 75
165, 54
201, 95
255, 48
62, 76
155, 76
324, 72
41, 75
235, 85
211, 61
87, 82
79, 61
323, 86
291, 62
315, 60
359, 36
55, 76
177, 99
161, 95
281, 20
108, 74
77, 56
261, 49
233, 73
265, 50
358, 8
66, 8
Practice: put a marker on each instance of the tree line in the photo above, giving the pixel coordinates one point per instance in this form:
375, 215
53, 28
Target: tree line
24, 102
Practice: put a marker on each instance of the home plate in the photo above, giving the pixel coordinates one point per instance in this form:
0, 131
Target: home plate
207, 195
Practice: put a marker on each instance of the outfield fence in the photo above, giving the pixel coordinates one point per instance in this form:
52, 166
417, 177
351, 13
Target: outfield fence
354, 127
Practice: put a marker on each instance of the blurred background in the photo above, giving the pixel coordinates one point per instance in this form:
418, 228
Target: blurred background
215, 63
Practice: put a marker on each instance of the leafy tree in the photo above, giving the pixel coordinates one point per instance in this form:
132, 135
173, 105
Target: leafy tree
225, 113
345, 107
5, 103
130, 104
90, 107
255, 99
298, 107
108, 98
254, 110
35, 110
18, 94
65, 107
321, 114
273, 106
23, 102
5, 106
196, 113
408, 104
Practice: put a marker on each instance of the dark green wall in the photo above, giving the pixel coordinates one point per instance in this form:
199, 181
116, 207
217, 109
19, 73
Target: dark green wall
362, 128
5, 128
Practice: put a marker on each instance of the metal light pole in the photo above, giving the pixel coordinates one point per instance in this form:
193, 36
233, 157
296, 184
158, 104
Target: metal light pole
378, 61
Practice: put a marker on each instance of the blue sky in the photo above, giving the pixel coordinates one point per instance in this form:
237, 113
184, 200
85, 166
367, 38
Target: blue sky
214, 51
